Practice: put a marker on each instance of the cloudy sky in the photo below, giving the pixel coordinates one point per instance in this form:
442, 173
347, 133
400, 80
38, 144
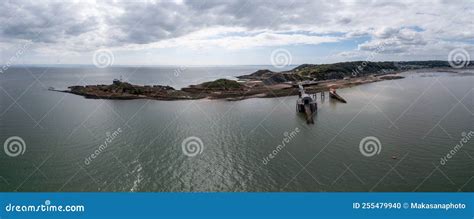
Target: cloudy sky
232, 32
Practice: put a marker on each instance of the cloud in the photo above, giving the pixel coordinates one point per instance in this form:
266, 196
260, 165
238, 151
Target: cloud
39, 22
83, 26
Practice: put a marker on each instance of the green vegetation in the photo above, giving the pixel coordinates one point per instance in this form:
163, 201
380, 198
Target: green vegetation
222, 84
340, 70
361, 68
343, 69
124, 87
277, 78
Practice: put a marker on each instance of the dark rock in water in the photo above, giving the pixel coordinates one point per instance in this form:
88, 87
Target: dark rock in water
336, 96
391, 77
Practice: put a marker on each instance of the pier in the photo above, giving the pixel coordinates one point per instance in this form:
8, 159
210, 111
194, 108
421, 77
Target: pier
306, 104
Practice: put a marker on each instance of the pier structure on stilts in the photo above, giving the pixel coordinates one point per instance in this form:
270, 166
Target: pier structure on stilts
306, 104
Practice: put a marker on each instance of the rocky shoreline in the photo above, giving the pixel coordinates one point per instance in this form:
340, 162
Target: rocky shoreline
238, 91
260, 84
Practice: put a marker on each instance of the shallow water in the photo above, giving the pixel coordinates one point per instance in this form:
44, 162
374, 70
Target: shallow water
417, 120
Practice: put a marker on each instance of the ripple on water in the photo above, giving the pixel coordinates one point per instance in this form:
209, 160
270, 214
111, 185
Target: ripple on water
136, 175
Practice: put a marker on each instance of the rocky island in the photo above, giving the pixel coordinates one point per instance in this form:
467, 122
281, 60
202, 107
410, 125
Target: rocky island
263, 83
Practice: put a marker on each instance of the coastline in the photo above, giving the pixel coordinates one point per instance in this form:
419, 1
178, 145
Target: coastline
193, 93
228, 89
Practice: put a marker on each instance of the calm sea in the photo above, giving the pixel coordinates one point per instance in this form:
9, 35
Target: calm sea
249, 145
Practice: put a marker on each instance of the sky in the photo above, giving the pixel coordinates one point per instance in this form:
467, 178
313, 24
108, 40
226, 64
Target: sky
232, 32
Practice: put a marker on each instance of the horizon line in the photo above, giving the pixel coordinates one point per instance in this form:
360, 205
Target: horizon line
211, 65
